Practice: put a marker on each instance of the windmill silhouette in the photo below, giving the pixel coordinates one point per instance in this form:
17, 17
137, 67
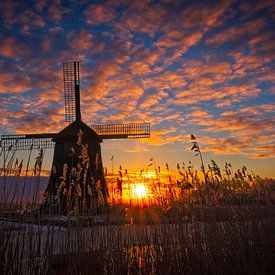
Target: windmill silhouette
77, 184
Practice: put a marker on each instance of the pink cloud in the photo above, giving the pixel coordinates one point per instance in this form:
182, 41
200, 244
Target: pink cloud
11, 47
170, 39
205, 73
263, 47
29, 20
7, 9
205, 16
9, 85
203, 76
251, 7
83, 41
152, 55
97, 14
142, 16
40, 5
258, 40
46, 44
247, 64
56, 11
238, 32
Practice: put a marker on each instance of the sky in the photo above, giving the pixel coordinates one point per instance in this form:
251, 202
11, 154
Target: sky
187, 67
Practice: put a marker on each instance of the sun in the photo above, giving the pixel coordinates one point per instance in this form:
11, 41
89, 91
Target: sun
140, 191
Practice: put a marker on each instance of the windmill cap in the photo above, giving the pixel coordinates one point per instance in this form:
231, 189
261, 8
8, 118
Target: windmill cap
72, 131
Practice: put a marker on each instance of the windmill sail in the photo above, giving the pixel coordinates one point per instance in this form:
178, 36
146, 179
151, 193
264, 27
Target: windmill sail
76, 148
129, 130
25, 142
71, 91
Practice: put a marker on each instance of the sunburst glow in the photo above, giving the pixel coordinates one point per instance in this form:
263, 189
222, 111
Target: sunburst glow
140, 191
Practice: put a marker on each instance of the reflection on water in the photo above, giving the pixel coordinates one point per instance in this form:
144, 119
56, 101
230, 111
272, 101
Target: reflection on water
22, 190
137, 249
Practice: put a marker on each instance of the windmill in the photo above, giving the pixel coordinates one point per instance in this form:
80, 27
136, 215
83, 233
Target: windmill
77, 184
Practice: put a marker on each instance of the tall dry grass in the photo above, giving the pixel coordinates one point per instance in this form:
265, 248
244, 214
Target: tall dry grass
222, 224
226, 247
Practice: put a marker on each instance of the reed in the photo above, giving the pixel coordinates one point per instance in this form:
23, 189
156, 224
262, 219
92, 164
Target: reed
183, 227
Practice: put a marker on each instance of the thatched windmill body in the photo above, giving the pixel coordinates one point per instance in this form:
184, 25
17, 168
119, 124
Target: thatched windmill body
77, 184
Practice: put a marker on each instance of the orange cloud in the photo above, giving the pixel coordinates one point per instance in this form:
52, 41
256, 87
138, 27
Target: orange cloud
250, 133
85, 41
258, 109
240, 145
173, 79
151, 100
224, 96
197, 113
98, 85
180, 45
140, 68
35, 119
170, 39
160, 137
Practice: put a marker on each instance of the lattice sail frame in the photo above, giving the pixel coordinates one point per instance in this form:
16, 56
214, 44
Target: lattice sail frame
72, 113
27, 142
71, 91
105, 131
129, 130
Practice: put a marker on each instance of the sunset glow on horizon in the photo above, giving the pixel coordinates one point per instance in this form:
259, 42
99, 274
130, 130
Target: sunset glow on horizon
186, 67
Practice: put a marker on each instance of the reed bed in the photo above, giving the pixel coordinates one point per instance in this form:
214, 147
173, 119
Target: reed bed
221, 223
227, 247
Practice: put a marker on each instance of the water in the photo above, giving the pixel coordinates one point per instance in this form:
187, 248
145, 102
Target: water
22, 189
